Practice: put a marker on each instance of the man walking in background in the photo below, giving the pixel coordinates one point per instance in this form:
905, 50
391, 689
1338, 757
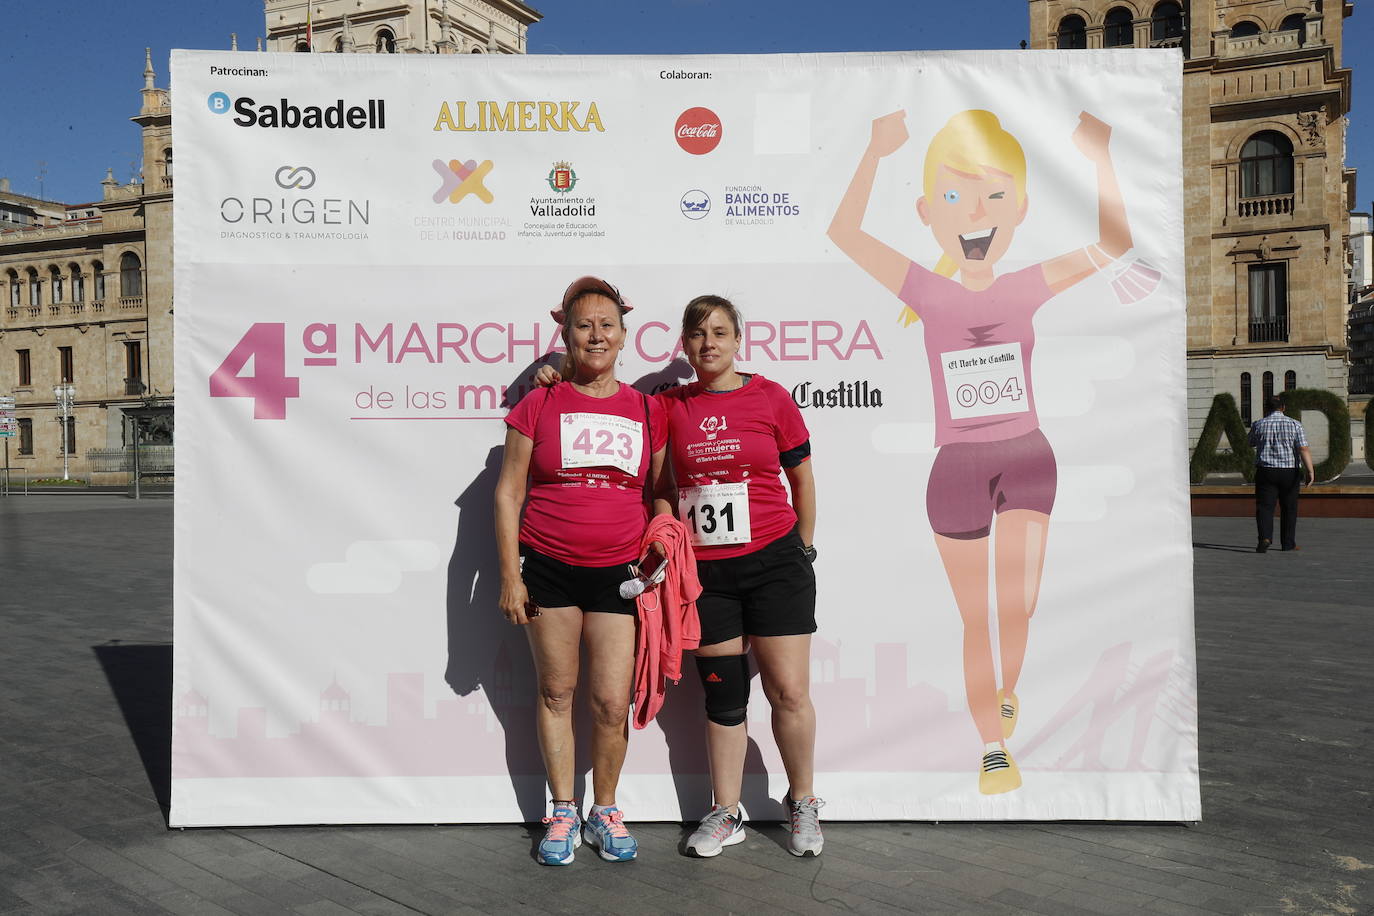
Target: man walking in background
1278, 441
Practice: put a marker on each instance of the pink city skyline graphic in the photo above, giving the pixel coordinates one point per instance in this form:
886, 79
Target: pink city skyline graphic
492, 732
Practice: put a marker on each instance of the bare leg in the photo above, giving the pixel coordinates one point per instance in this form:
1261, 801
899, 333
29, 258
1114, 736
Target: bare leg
610, 640
726, 745
966, 565
555, 636
1020, 550
785, 669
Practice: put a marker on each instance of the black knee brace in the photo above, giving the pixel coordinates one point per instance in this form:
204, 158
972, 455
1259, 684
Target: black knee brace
726, 681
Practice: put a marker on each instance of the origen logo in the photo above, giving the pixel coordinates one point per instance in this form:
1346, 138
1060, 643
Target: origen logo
459, 179
292, 176
218, 102
698, 131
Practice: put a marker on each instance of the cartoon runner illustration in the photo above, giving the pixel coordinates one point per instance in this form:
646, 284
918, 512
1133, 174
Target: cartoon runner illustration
994, 475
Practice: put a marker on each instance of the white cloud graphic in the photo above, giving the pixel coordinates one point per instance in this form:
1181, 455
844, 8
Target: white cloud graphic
1084, 490
372, 567
1066, 367
904, 438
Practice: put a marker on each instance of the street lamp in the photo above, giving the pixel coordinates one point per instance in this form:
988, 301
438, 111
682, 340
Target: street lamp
65, 395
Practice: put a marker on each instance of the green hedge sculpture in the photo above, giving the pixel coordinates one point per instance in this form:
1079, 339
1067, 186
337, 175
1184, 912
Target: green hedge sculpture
1337, 424
1223, 417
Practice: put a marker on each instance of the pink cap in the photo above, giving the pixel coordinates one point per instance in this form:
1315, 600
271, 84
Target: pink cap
588, 285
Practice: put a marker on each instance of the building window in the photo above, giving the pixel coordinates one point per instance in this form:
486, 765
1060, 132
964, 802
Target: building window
1073, 33
1166, 23
98, 277
1118, 31
1246, 407
25, 436
35, 296
130, 277
70, 439
1245, 29
167, 163
1268, 386
78, 284
1268, 303
25, 368
338, 45
302, 47
15, 295
55, 282
1266, 165
1295, 23
386, 42
133, 367
1290, 380
64, 364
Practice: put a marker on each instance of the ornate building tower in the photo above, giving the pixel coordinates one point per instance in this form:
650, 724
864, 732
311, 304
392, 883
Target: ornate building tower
422, 26
1266, 192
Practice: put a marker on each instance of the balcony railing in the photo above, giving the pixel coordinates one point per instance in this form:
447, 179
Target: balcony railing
1269, 330
97, 305
130, 302
1273, 205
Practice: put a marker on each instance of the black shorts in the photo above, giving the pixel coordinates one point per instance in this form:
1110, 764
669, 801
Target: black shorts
770, 592
553, 583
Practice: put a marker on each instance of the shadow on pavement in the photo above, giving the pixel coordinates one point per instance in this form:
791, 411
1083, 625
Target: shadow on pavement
1198, 545
140, 677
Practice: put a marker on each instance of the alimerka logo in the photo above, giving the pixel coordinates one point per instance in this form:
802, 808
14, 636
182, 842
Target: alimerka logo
519, 116
459, 179
284, 114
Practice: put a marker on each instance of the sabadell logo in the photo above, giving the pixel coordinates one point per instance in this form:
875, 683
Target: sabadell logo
698, 131
284, 114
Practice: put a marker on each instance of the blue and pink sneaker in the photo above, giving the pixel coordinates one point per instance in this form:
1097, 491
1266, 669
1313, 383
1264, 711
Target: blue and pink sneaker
606, 831
563, 836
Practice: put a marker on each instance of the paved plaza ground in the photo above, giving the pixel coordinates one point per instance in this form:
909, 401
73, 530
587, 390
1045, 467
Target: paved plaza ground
1285, 643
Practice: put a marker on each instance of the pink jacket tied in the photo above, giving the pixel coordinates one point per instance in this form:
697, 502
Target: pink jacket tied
668, 621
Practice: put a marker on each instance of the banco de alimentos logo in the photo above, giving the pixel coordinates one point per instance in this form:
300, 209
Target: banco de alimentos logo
459, 179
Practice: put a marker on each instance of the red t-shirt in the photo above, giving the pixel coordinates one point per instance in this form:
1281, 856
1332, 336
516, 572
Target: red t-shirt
586, 502
733, 437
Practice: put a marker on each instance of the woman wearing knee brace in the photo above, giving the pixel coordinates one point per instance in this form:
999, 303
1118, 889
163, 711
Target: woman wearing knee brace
731, 437
584, 453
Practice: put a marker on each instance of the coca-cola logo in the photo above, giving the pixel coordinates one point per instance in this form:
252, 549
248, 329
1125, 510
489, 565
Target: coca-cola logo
698, 131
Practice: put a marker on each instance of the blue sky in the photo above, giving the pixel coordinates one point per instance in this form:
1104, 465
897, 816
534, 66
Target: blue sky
70, 73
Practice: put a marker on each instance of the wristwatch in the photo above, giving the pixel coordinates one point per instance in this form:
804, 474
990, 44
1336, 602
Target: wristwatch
809, 551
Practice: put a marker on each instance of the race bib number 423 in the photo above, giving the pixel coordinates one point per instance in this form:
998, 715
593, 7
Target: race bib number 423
591, 440
985, 381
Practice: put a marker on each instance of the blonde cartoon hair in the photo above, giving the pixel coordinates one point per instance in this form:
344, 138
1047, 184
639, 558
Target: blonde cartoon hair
973, 141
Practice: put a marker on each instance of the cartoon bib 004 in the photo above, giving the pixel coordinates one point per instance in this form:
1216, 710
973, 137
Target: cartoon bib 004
590, 440
716, 514
985, 381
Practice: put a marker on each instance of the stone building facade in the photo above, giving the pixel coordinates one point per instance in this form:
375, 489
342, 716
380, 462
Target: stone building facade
86, 301
370, 27
1266, 192
86, 289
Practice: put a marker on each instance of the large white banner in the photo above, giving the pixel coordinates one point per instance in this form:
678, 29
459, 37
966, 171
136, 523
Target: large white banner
367, 249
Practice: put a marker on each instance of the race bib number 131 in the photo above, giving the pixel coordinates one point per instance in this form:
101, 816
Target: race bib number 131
716, 513
592, 440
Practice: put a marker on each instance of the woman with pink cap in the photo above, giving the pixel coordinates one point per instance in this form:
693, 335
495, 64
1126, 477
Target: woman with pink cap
572, 502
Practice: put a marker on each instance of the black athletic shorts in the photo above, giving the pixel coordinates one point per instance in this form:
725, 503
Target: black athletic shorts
553, 583
770, 592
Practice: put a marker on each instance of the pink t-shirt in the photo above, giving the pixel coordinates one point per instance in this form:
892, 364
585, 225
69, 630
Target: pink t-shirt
979, 345
736, 437
582, 508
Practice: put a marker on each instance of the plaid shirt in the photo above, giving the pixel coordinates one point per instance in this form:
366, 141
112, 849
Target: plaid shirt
1277, 439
